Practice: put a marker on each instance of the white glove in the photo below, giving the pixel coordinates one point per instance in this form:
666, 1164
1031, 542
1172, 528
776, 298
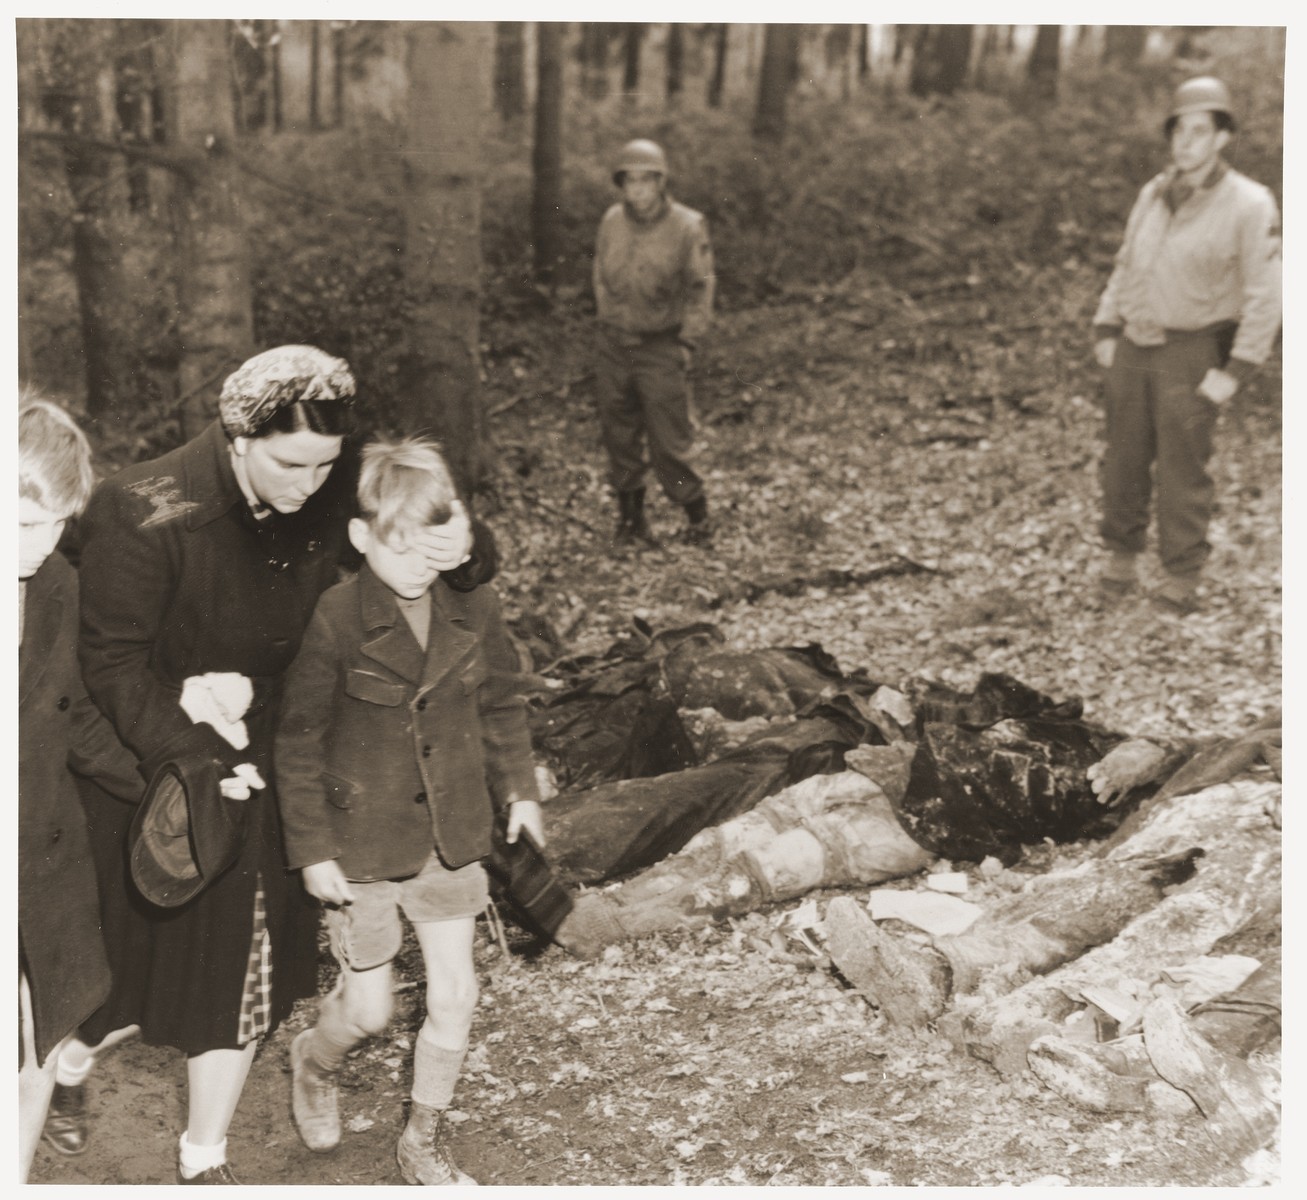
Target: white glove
220, 699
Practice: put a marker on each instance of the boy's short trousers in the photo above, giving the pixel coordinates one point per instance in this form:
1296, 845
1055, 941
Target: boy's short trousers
368, 932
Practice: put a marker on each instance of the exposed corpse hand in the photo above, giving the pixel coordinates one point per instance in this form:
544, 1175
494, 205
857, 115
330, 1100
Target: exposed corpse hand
1124, 768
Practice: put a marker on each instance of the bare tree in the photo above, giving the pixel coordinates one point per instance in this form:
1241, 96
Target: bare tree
449, 85
779, 54
215, 322
77, 96
675, 60
593, 51
1042, 70
547, 152
632, 37
940, 58
717, 80
1123, 45
510, 58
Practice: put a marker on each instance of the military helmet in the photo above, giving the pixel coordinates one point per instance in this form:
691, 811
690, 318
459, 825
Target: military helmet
640, 155
1205, 93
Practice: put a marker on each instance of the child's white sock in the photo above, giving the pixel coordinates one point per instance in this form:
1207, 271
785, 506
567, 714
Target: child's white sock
193, 1159
435, 1072
67, 1075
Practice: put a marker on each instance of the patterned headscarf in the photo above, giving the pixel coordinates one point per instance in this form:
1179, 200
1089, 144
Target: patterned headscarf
269, 381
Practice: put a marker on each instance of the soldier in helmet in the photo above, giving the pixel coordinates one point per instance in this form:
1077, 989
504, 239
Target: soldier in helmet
1191, 310
653, 282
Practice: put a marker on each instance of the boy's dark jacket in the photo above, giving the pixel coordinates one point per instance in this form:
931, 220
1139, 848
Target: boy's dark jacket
382, 749
58, 728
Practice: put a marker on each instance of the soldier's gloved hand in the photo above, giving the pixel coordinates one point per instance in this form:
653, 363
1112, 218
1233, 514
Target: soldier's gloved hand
1105, 352
1217, 385
1128, 766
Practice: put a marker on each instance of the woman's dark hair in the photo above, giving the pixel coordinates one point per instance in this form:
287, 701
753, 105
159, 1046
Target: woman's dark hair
1222, 120
332, 418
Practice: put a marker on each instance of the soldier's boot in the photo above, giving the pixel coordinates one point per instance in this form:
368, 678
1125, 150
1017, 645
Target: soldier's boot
698, 530
632, 525
1118, 575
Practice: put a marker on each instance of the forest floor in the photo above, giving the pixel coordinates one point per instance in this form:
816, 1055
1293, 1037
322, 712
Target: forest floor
844, 429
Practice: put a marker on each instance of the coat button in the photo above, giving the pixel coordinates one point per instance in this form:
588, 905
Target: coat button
420, 798
63, 704
426, 751
56, 835
422, 704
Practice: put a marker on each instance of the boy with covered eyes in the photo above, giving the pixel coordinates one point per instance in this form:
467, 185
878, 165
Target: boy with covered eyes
401, 734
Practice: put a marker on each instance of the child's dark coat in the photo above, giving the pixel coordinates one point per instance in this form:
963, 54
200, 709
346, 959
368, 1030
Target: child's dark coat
58, 727
383, 750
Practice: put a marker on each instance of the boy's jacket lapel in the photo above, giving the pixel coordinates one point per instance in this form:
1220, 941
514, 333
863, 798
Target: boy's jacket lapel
393, 645
450, 642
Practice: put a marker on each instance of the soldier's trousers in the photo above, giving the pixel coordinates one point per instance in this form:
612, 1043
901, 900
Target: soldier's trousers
1159, 431
643, 395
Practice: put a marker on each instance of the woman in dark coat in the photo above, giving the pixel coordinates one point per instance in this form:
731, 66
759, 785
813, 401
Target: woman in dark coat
210, 559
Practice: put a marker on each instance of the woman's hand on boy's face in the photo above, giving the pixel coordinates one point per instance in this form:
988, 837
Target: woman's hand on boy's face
446, 546
325, 881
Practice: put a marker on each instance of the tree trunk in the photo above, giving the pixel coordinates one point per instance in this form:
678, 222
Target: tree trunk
510, 59
295, 70
778, 55
449, 84
632, 37
594, 60
1042, 70
717, 81
547, 152
940, 60
1123, 45
864, 52
81, 100
675, 60
215, 322
136, 94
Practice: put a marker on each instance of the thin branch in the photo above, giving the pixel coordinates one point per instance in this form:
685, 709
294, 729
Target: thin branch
390, 212
184, 163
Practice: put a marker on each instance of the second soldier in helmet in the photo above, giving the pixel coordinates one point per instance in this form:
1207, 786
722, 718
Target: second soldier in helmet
653, 283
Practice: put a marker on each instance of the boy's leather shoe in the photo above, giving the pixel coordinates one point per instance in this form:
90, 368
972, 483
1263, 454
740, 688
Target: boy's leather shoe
313, 1098
421, 1156
66, 1127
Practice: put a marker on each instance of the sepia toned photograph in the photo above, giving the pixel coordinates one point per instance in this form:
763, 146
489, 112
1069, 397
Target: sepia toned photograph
618, 604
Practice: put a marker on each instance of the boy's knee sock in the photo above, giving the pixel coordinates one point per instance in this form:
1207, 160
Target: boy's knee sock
333, 1036
435, 1072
